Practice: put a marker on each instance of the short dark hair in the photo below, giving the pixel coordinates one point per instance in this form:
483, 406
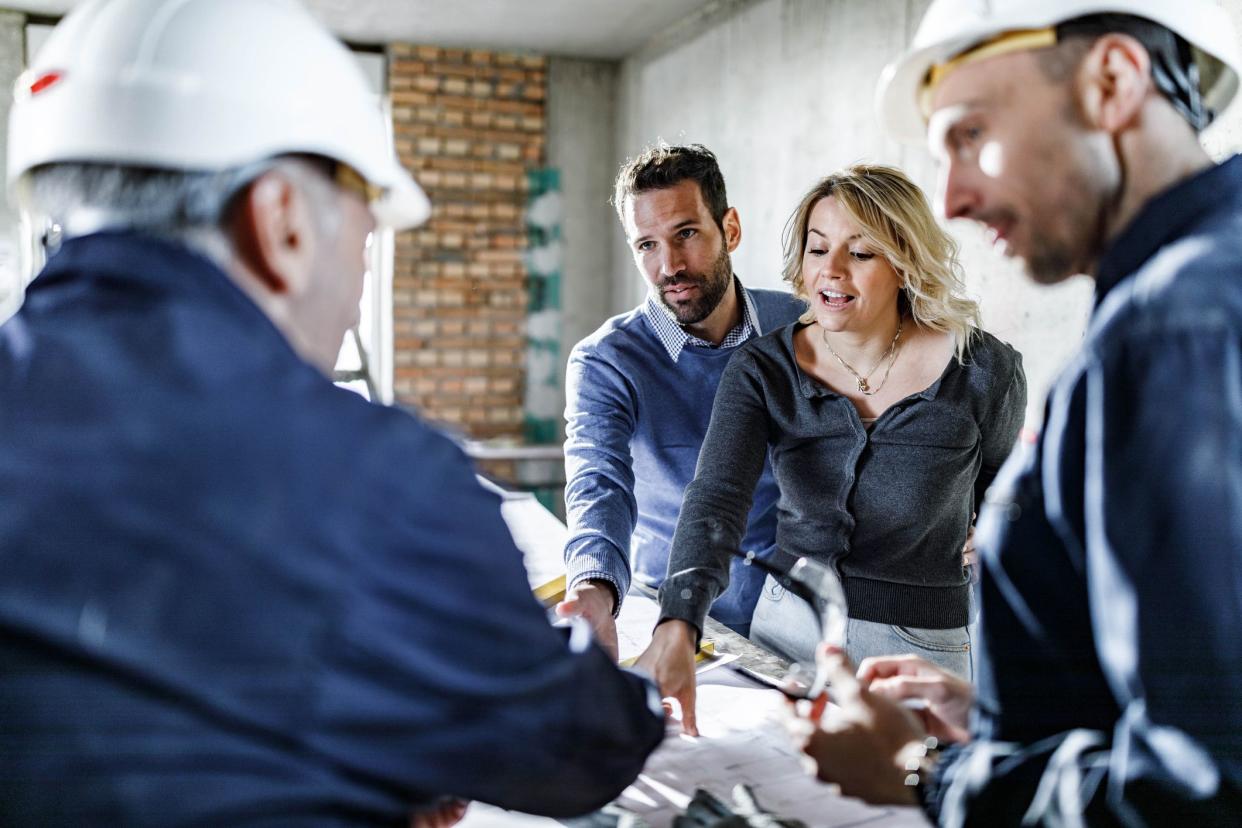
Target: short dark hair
661, 166
1174, 69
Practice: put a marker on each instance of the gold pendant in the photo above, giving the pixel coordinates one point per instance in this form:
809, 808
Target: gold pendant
862, 385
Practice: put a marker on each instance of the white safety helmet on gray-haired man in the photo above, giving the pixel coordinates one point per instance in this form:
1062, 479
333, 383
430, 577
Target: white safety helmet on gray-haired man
204, 86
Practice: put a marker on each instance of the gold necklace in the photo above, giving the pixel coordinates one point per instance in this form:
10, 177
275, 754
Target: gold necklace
863, 385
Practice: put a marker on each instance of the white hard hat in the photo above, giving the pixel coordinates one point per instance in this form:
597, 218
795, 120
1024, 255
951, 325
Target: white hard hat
950, 27
203, 85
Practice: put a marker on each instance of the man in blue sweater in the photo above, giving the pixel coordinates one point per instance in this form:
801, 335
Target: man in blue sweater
234, 593
640, 390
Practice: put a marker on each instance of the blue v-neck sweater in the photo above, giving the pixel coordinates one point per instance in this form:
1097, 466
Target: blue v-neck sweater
635, 422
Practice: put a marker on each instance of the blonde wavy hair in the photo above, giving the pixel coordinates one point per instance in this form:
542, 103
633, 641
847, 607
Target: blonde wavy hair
895, 217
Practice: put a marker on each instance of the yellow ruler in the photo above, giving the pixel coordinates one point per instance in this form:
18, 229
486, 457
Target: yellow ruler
551, 593
707, 651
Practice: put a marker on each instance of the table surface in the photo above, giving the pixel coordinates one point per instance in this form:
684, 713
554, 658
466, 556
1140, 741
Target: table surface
741, 738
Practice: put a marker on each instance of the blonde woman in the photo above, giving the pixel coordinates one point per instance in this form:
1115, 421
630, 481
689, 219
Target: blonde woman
886, 411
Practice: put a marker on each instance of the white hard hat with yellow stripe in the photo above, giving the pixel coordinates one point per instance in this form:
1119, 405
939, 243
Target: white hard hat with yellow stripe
954, 32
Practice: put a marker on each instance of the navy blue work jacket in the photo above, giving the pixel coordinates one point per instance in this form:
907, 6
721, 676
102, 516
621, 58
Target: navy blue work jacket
1110, 675
232, 593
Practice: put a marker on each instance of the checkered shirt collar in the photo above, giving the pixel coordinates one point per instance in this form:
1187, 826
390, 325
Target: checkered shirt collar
674, 337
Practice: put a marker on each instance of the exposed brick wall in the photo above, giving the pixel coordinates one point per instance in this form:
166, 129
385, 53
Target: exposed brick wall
468, 124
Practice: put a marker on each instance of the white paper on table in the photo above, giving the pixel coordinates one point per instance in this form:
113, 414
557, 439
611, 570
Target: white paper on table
536, 532
638, 618
635, 623
743, 742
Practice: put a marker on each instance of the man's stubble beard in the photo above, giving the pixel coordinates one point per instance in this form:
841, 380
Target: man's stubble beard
712, 290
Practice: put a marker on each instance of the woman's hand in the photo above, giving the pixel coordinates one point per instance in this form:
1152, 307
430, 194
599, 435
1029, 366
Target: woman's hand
949, 698
669, 658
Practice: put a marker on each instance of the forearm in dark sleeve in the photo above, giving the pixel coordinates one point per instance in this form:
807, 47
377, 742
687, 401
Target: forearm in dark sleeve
1161, 530
1163, 513
716, 504
447, 678
1072, 779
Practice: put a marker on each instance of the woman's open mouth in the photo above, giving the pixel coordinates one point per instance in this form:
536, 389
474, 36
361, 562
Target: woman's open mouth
834, 299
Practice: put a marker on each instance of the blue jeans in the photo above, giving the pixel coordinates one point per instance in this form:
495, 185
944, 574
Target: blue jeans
786, 625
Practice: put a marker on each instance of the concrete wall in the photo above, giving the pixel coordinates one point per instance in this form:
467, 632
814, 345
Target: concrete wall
782, 91
12, 62
581, 119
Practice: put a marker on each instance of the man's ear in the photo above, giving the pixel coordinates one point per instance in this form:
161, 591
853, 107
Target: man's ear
273, 227
1114, 80
732, 226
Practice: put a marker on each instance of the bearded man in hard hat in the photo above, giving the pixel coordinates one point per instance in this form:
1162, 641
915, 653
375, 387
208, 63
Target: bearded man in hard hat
1110, 665
232, 592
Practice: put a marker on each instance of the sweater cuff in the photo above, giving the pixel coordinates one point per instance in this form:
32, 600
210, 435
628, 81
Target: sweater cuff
597, 562
602, 577
685, 598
